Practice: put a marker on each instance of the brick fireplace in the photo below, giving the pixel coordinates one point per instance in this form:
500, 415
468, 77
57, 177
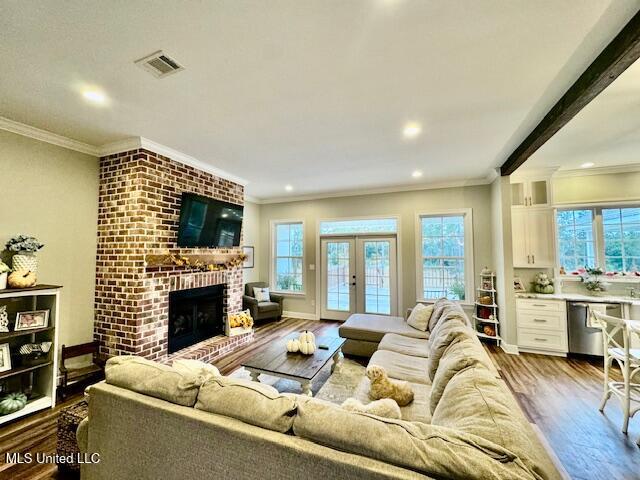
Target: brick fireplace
139, 208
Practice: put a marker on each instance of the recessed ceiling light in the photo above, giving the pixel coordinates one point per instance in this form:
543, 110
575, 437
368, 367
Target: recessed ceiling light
225, 215
288, 188
95, 96
411, 130
587, 165
416, 174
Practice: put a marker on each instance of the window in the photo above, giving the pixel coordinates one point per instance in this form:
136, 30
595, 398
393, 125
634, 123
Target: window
288, 257
621, 228
445, 266
576, 244
369, 225
606, 237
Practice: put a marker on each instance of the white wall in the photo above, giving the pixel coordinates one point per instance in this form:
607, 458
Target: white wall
52, 193
250, 237
404, 204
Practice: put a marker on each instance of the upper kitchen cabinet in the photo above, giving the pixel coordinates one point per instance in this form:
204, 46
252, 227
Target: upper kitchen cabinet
530, 192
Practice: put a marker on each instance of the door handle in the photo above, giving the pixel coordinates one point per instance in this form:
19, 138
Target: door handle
533, 259
528, 258
539, 320
353, 284
540, 339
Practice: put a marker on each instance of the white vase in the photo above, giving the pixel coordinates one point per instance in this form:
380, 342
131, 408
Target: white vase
25, 261
3, 280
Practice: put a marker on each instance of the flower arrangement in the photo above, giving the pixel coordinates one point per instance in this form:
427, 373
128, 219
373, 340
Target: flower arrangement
23, 243
206, 266
592, 281
542, 283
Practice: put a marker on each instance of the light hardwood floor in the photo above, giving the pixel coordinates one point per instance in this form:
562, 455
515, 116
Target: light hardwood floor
560, 396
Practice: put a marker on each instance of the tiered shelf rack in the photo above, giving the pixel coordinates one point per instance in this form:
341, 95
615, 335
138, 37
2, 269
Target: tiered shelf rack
487, 288
37, 380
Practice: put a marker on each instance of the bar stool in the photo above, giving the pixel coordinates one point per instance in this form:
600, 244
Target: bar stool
628, 360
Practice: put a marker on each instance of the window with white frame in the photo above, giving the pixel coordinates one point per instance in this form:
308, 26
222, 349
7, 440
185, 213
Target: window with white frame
576, 241
607, 237
445, 264
288, 256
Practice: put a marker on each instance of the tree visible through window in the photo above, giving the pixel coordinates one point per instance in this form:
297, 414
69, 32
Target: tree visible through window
576, 246
621, 228
443, 257
288, 258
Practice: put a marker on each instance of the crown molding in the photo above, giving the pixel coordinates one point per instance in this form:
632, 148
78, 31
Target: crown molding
131, 143
585, 172
377, 191
48, 137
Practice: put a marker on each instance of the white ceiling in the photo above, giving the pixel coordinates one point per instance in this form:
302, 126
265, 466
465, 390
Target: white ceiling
606, 132
308, 93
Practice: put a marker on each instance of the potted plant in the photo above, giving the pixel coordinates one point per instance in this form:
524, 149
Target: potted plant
24, 250
4, 272
592, 282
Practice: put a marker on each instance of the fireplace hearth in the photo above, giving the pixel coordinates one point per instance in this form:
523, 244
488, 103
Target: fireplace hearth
195, 315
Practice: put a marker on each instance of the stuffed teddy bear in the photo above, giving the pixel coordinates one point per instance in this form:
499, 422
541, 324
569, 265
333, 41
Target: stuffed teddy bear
385, 407
383, 387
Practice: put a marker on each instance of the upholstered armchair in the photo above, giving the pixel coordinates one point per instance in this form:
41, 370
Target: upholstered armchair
262, 310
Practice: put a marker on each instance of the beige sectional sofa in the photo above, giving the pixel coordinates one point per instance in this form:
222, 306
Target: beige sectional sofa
148, 421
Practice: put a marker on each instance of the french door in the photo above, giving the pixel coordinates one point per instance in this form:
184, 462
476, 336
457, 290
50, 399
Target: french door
358, 274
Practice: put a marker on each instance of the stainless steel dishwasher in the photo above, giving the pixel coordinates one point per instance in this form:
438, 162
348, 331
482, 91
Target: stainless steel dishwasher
583, 338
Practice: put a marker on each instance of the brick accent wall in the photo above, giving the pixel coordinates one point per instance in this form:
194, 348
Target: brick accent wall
138, 214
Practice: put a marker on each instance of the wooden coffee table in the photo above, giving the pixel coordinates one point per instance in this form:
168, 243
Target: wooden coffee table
276, 361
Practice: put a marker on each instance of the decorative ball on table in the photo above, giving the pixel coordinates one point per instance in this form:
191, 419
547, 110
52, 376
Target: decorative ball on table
293, 346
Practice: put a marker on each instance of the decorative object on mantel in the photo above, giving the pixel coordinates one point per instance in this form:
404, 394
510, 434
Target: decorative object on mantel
592, 281
542, 283
4, 273
22, 279
31, 320
12, 402
24, 250
4, 319
203, 263
249, 261
5, 358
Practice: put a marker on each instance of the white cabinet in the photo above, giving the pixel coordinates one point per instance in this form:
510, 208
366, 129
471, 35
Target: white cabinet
533, 237
530, 193
542, 326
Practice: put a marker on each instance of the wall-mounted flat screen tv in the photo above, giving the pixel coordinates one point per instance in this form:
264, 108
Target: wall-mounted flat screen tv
207, 222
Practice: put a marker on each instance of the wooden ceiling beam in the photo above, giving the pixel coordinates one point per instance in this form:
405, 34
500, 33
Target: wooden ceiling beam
620, 54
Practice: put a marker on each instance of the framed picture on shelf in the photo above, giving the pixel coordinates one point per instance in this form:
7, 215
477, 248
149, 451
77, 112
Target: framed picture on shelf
31, 320
5, 358
518, 286
249, 261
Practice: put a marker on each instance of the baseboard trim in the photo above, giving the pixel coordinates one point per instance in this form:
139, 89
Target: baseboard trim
301, 315
509, 348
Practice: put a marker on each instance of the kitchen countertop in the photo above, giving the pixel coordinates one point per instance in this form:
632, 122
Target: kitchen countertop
579, 297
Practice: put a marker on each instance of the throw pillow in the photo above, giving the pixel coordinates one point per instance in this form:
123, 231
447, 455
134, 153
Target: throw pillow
261, 294
420, 315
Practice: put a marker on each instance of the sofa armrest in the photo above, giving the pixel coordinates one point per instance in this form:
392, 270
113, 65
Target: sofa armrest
82, 435
409, 310
249, 301
279, 299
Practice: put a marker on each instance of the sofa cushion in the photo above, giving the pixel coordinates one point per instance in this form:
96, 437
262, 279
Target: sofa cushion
419, 317
475, 402
252, 402
444, 334
261, 294
435, 451
268, 306
416, 411
457, 357
416, 347
195, 367
401, 367
371, 328
154, 379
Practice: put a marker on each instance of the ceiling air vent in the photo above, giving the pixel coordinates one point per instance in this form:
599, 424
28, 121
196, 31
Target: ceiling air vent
159, 64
